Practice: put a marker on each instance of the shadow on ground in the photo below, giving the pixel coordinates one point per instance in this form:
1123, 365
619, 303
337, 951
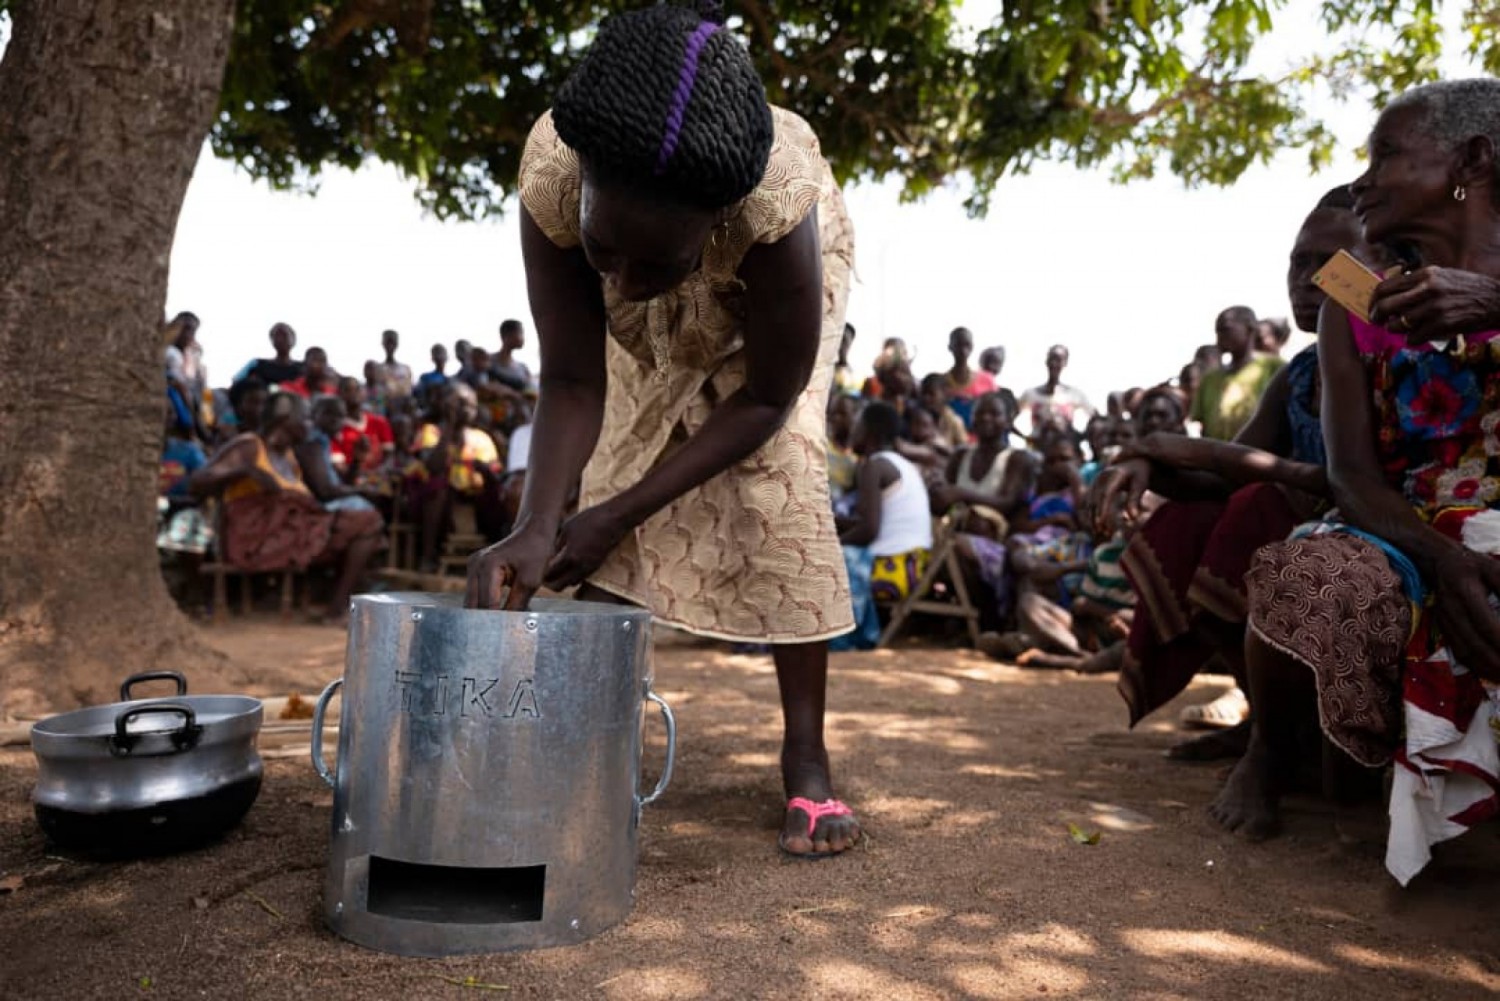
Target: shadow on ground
967, 775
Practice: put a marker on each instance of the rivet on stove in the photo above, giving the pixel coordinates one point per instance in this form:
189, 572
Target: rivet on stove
416, 616
338, 908
625, 626
531, 625
347, 825
573, 924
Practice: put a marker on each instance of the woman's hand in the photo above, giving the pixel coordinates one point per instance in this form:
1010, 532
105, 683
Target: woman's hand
1434, 304
1116, 494
585, 542
1463, 583
508, 573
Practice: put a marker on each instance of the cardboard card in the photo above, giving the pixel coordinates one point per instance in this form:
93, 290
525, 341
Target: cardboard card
1348, 283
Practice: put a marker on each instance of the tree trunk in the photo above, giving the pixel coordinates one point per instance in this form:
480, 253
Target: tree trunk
104, 106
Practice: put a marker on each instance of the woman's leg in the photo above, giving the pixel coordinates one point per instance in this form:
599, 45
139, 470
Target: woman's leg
1230, 640
1048, 621
1282, 696
356, 560
802, 674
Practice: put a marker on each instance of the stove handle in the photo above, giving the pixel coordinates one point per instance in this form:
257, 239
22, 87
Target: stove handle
319, 711
666, 771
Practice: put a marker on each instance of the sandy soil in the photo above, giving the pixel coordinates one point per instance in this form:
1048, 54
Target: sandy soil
966, 774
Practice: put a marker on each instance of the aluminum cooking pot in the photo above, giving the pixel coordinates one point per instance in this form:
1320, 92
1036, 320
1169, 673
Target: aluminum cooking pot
147, 776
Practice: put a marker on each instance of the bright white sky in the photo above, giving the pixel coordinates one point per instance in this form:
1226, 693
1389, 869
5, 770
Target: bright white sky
1131, 278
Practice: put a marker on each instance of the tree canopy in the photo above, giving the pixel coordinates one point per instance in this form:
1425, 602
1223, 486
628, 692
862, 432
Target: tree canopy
446, 89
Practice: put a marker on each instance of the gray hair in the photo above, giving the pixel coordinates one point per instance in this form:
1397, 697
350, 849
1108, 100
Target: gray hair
1457, 110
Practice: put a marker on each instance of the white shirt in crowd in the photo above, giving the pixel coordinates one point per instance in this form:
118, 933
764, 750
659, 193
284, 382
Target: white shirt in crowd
905, 512
519, 449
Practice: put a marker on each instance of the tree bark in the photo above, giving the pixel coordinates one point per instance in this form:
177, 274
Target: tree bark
104, 106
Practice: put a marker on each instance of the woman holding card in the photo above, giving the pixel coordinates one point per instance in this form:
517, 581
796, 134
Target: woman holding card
1382, 624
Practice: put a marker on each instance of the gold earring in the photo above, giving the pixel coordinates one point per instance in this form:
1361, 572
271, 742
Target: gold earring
1460, 193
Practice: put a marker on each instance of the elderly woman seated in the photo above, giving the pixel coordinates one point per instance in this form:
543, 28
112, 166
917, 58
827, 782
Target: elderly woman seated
1382, 624
271, 520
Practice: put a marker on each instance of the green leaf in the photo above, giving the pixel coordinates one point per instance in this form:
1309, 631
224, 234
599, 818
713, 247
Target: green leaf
447, 90
1081, 837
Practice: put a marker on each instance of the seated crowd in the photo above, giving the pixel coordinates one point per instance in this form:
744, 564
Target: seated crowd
1325, 528
294, 466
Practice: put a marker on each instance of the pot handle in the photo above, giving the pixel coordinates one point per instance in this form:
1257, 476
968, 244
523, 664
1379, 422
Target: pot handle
319, 711
136, 679
666, 770
183, 738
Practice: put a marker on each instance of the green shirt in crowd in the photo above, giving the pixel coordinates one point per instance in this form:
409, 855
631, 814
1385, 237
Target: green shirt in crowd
1227, 400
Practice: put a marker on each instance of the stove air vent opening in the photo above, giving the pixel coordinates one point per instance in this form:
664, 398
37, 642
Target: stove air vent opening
454, 894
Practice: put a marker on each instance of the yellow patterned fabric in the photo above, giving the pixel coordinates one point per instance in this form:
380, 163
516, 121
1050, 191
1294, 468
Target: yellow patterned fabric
753, 553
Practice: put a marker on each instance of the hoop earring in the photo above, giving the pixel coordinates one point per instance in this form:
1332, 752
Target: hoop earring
1460, 193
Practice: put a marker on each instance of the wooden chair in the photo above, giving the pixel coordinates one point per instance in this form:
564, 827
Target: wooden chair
463, 541
453, 563
222, 570
401, 553
944, 562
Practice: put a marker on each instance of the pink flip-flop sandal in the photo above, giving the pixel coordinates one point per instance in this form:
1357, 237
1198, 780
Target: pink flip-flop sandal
815, 812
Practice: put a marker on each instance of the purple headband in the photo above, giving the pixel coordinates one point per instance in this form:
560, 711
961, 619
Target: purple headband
684, 92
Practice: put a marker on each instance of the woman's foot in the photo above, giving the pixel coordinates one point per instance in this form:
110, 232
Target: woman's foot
1228, 710
1216, 746
1248, 801
805, 775
1004, 646
1106, 661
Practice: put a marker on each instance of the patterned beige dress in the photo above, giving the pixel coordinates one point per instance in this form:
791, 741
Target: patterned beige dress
753, 553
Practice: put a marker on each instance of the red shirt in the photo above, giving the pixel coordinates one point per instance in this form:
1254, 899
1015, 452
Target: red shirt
371, 431
980, 383
301, 388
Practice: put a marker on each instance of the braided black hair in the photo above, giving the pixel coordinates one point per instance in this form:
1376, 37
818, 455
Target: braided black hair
667, 101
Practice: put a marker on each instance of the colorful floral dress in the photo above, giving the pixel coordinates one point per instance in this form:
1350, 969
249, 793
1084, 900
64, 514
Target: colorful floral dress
1356, 610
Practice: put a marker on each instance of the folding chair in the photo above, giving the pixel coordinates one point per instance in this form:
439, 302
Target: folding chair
944, 561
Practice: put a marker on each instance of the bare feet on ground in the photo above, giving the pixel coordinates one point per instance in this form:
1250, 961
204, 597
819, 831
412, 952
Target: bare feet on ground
1247, 802
1215, 746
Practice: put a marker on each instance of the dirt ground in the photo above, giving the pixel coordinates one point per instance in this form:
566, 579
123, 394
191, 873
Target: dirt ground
966, 774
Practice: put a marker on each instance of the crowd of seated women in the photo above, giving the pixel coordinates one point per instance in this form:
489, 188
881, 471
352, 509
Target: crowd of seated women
295, 467
1330, 535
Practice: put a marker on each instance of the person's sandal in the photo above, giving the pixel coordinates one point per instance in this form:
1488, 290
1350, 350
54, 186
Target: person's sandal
1228, 710
815, 812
